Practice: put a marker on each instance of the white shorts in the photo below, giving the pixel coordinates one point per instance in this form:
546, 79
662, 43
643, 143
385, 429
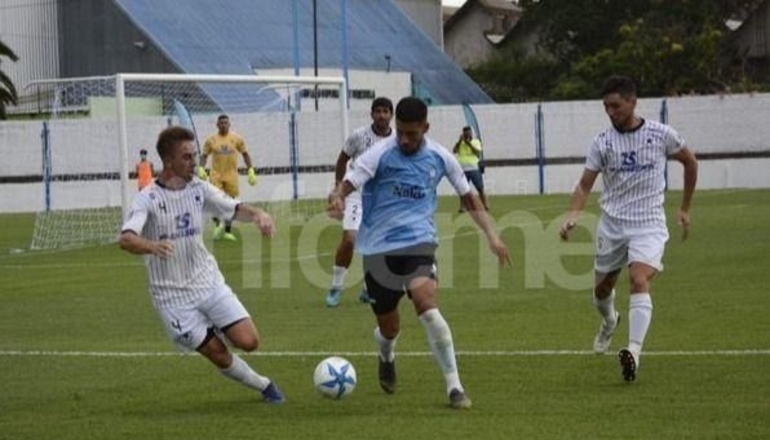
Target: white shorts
189, 326
618, 246
351, 221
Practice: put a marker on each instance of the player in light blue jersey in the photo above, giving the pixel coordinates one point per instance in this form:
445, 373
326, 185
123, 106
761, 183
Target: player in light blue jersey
197, 308
397, 238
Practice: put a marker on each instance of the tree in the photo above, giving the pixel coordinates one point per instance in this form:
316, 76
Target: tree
8, 93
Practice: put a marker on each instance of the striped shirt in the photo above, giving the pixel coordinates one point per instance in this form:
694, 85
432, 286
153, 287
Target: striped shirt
361, 139
191, 273
633, 171
399, 194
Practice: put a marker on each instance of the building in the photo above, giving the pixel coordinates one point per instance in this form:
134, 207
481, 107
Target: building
473, 32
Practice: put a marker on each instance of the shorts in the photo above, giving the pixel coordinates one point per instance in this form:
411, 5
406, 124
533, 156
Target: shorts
474, 177
351, 221
387, 275
189, 326
618, 245
228, 184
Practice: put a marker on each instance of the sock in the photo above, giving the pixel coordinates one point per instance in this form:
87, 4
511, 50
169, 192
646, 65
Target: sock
606, 307
228, 226
639, 317
386, 345
240, 371
441, 344
216, 221
338, 277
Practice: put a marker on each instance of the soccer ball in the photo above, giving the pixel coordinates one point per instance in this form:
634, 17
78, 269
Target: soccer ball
335, 377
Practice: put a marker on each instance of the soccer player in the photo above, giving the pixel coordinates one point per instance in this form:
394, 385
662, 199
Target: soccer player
631, 156
197, 308
468, 152
358, 142
144, 170
398, 179
223, 146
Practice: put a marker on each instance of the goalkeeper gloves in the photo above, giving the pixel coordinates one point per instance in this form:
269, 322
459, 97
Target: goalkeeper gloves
252, 176
202, 173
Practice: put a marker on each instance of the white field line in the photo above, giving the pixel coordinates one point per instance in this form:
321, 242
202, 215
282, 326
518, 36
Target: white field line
513, 353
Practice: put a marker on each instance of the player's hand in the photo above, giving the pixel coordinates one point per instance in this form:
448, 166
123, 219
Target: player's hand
566, 228
264, 223
163, 248
202, 173
683, 220
336, 206
252, 176
501, 250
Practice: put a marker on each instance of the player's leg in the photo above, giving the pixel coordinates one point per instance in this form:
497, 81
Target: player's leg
230, 187
477, 180
219, 229
645, 255
351, 221
611, 256
422, 285
385, 291
227, 313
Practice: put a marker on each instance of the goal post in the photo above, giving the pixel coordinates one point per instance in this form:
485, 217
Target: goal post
97, 126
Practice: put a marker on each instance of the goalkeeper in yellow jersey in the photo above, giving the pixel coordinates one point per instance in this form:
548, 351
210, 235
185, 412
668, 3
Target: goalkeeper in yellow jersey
224, 146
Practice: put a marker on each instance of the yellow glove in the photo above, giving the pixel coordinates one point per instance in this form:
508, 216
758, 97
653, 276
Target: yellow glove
252, 176
202, 173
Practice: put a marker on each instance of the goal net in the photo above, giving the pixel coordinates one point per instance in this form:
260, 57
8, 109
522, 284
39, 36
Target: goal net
293, 128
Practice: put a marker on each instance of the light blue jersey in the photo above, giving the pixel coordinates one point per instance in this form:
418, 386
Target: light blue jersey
399, 194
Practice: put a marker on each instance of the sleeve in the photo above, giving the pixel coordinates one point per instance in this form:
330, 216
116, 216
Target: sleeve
217, 202
208, 146
366, 165
137, 216
672, 140
594, 156
476, 144
351, 144
240, 144
455, 173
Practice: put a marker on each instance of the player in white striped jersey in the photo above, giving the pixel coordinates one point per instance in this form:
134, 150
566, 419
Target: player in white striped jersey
199, 311
359, 141
631, 156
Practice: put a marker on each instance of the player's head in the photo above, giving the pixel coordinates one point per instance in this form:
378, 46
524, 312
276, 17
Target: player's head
411, 124
619, 95
467, 133
176, 149
143, 154
382, 113
223, 124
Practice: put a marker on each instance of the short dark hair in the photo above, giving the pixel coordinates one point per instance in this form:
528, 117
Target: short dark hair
411, 109
620, 84
382, 101
170, 138
222, 116
143, 152
467, 128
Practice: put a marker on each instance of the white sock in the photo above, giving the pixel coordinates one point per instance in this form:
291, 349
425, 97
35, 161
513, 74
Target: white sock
386, 345
338, 277
441, 344
606, 307
240, 371
639, 316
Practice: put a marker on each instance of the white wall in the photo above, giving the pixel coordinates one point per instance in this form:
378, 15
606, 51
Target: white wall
710, 124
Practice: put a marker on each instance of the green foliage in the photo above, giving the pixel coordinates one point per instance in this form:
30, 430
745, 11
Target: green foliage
668, 47
110, 373
8, 93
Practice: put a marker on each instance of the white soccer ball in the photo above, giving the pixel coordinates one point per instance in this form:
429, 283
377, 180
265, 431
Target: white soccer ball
335, 377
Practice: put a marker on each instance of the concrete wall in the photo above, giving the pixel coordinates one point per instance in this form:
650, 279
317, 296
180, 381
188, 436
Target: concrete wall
719, 129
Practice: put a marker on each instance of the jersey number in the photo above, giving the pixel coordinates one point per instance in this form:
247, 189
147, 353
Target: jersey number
183, 221
629, 158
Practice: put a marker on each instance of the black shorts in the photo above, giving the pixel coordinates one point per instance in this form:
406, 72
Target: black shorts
387, 275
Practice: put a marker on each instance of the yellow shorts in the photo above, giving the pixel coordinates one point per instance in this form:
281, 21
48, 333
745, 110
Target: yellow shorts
228, 184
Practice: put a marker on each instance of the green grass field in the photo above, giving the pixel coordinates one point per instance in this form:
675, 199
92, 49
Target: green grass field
83, 355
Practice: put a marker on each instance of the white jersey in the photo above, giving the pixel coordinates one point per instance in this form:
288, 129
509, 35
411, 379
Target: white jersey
361, 139
191, 273
633, 171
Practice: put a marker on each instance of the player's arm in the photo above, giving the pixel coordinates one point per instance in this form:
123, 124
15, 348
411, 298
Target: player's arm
578, 201
336, 207
133, 243
686, 157
474, 207
258, 216
341, 167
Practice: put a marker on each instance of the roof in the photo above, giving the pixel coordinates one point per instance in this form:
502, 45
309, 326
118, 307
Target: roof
240, 36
